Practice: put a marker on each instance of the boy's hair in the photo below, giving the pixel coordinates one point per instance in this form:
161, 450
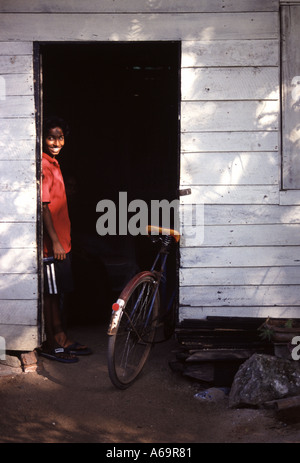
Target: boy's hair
55, 121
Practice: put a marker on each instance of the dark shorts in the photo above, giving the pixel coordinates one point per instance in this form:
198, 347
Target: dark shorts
58, 277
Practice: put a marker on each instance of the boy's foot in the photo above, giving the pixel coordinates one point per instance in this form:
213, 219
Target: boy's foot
59, 354
78, 349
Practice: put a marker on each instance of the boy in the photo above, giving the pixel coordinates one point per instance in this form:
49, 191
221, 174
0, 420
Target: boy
57, 246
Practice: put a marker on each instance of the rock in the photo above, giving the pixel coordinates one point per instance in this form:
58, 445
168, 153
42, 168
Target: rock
11, 361
29, 362
263, 378
10, 366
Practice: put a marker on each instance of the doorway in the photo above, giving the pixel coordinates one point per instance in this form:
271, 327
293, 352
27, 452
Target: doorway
121, 101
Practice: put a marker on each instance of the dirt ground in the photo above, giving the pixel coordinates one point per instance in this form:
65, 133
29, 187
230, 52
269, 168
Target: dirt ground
78, 404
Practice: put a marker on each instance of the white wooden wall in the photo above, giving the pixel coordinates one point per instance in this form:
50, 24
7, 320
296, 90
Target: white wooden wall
248, 262
18, 253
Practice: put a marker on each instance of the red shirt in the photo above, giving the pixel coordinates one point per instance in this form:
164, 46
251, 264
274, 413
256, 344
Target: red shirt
54, 193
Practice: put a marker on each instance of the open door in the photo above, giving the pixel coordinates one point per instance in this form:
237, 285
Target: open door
121, 101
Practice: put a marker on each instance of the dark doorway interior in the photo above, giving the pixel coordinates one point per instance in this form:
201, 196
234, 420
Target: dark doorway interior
121, 101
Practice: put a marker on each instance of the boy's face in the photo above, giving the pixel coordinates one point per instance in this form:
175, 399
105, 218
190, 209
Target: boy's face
54, 141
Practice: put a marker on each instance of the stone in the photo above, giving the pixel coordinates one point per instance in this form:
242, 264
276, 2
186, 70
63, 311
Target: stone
30, 362
11, 361
263, 378
29, 358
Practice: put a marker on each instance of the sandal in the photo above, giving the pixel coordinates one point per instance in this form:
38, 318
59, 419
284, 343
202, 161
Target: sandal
59, 354
78, 349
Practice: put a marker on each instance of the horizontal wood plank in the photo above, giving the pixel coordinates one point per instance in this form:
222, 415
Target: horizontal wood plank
289, 197
239, 276
201, 312
228, 194
17, 235
242, 83
16, 287
16, 48
17, 150
18, 312
132, 27
229, 141
222, 116
241, 214
18, 207
268, 256
230, 53
16, 64
17, 106
240, 235
13, 129
16, 175
219, 296
15, 85
229, 168
126, 6
18, 260
20, 337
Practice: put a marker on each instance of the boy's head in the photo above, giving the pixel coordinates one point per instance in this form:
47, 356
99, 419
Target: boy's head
55, 130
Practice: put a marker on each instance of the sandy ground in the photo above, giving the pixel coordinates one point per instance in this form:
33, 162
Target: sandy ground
78, 404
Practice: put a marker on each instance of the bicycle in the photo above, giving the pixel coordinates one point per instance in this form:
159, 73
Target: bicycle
138, 312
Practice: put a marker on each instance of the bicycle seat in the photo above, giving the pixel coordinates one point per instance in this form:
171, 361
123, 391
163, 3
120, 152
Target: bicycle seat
154, 230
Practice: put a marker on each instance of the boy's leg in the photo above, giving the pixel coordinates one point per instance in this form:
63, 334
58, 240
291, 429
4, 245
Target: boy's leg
53, 324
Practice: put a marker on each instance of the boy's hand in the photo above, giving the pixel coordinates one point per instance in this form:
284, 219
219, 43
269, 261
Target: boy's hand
58, 251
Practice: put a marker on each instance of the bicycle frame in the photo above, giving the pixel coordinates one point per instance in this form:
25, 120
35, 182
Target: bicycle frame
117, 307
137, 314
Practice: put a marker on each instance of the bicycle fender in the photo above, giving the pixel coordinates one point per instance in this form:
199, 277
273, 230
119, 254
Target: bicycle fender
115, 317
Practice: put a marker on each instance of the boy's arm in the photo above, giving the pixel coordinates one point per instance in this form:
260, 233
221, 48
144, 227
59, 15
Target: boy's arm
58, 251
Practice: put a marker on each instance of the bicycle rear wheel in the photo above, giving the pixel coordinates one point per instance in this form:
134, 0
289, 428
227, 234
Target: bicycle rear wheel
130, 344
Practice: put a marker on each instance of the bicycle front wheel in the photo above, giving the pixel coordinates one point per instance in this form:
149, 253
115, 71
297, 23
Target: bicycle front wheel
130, 344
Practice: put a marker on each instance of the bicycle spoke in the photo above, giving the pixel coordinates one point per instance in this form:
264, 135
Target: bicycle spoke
132, 343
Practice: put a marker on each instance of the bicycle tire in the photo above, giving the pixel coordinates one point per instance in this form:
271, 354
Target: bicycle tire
130, 345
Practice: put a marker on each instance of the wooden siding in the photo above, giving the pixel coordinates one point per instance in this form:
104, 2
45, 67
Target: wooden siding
137, 6
229, 143
242, 259
18, 198
290, 96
